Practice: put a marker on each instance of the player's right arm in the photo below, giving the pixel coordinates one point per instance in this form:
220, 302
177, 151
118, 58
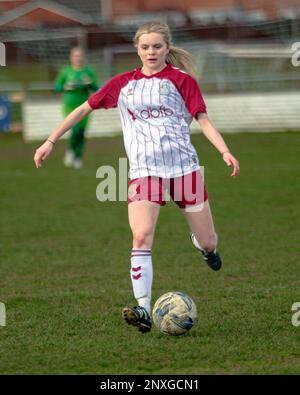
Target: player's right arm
106, 97
72, 119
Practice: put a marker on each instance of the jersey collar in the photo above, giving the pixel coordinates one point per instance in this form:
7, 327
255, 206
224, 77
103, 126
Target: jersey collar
167, 67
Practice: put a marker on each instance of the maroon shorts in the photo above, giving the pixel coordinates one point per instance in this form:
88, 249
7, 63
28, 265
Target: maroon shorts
185, 191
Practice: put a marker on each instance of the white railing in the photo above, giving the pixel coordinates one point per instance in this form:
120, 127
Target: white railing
257, 112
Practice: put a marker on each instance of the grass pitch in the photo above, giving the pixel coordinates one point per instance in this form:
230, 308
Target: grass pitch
64, 266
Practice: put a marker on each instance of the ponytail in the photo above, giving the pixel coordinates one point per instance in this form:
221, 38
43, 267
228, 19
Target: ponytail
182, 59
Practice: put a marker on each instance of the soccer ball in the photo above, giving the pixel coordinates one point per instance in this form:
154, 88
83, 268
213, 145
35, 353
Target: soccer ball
174, 313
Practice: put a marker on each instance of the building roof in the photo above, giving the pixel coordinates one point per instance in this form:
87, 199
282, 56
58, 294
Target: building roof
45, 10
6, 5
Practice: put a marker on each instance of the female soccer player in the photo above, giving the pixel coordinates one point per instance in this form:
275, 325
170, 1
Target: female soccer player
76, 82
157, 103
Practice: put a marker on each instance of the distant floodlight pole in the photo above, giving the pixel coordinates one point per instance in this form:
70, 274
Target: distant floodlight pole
106, 10
107, 17
82, 38
2, 54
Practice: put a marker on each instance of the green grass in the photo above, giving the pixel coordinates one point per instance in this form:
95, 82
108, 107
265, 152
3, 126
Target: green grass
64, 266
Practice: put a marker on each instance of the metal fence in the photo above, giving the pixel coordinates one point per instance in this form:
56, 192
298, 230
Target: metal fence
256, 58
229, 63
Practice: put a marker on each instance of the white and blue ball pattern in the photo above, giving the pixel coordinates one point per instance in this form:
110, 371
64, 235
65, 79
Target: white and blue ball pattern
174, 313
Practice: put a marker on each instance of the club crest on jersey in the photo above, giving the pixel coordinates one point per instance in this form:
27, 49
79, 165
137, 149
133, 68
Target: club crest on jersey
164, 87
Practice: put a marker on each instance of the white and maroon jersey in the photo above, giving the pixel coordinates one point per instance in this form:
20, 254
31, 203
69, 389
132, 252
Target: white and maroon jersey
156, 112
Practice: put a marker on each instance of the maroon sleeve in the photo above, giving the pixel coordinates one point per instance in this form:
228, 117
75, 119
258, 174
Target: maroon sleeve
107, 96
192, 96
189, 90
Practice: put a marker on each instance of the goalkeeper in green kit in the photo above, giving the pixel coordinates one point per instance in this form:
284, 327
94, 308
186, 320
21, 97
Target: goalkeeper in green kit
76, 82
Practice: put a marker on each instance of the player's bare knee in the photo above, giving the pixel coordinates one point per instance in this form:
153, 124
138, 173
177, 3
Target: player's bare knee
142, 239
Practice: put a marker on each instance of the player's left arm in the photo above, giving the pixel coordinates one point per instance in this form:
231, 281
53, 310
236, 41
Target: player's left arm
217, 140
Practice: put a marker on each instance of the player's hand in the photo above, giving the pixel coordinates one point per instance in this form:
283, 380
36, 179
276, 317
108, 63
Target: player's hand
87, 81
230, 160
69, 86
42, 152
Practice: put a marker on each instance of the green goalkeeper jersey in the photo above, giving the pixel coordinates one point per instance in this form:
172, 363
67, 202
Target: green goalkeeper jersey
76, 85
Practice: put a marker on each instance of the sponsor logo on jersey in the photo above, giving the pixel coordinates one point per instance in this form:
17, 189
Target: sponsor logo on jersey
155, 112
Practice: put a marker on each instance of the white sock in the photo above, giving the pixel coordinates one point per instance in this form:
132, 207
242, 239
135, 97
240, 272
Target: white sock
146, 303
141, 273
196, 242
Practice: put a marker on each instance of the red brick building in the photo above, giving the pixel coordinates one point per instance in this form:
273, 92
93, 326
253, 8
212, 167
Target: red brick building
73, 14
271, 8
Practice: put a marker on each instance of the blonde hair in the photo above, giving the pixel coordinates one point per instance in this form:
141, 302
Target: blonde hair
178, 57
